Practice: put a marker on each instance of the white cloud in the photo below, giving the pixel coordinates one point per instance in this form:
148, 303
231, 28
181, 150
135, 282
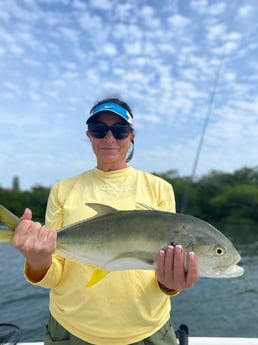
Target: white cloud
32, 62
216, 32
245, 10
178, 21
28, 39
6, 37
109, 49
217, 9
8, 95
12, 87
152, 22
200, 6
69, 34
16, 49
59, 57
79, 5
101, 4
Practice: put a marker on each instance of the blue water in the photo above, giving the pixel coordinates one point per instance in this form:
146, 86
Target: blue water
224, 307
214, 307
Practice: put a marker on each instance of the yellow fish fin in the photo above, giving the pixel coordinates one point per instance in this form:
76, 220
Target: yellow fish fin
97, 275
9, 219
6, 235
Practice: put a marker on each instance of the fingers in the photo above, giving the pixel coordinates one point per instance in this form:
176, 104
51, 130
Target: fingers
48, 236
179, 271
33, 238
171, 268
27, 214
193, 269
37, 243
40, 239
160, 270
37, 236
26, 229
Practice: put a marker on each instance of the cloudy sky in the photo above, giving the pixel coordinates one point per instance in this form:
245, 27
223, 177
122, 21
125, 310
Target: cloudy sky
175, 62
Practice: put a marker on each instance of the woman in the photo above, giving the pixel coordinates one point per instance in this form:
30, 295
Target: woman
127, 307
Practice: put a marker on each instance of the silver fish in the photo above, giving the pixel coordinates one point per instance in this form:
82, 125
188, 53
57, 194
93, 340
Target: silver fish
130, 239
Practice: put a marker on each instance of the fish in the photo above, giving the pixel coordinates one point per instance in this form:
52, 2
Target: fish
114, 240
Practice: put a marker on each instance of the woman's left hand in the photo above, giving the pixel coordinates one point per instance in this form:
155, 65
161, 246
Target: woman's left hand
171, 271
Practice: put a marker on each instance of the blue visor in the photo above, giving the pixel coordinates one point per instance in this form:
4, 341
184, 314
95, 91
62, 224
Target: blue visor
113, 108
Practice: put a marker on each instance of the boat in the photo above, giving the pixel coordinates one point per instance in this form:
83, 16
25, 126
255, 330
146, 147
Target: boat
203, 341
11, 334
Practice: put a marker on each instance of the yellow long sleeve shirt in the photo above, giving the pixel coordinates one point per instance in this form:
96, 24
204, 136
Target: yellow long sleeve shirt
126, 306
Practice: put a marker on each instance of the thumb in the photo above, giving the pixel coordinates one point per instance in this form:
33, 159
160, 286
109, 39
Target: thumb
27, 214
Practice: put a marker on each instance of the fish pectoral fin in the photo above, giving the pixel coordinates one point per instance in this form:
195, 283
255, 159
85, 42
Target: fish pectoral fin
97, 275
149, 258
145, 256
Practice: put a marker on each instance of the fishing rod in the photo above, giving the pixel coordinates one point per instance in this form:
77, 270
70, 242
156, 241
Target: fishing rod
206, 122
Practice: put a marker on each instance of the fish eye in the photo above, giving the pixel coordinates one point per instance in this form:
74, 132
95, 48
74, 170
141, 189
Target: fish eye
219, 250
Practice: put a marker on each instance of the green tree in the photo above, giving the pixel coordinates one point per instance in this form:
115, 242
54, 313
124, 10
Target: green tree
238, 204
217, 196
16, 184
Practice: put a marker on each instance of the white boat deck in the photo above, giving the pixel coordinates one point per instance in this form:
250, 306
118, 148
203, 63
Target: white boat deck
222, 341
203, 341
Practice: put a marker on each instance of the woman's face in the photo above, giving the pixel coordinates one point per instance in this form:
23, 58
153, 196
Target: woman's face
110, 152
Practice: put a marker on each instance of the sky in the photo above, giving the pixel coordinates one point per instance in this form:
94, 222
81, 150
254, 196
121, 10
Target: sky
182, 66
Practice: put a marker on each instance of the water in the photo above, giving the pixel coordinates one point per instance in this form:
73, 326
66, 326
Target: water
21, 303
224, 307
214, 307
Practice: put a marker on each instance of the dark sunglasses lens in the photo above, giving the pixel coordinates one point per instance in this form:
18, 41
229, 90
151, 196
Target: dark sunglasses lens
120, 131
98, 130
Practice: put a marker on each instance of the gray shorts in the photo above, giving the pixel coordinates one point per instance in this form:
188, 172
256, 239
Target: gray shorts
56, 334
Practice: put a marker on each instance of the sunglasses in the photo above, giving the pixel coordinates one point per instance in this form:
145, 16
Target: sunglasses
99, 130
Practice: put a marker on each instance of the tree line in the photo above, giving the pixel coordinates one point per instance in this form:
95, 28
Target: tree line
217, 196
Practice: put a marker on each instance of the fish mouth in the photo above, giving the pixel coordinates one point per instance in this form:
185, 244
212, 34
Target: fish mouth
230, 272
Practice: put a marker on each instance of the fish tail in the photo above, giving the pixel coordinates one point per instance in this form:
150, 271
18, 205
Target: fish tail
97, 275
9, 219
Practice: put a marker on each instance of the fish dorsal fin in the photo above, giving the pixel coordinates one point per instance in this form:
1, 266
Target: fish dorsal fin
8, 218
101, 209
142, 206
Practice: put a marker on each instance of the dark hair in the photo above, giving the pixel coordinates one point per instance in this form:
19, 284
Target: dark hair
114, 100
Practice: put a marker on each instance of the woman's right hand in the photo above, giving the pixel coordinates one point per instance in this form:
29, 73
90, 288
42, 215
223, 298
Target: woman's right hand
37, 243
